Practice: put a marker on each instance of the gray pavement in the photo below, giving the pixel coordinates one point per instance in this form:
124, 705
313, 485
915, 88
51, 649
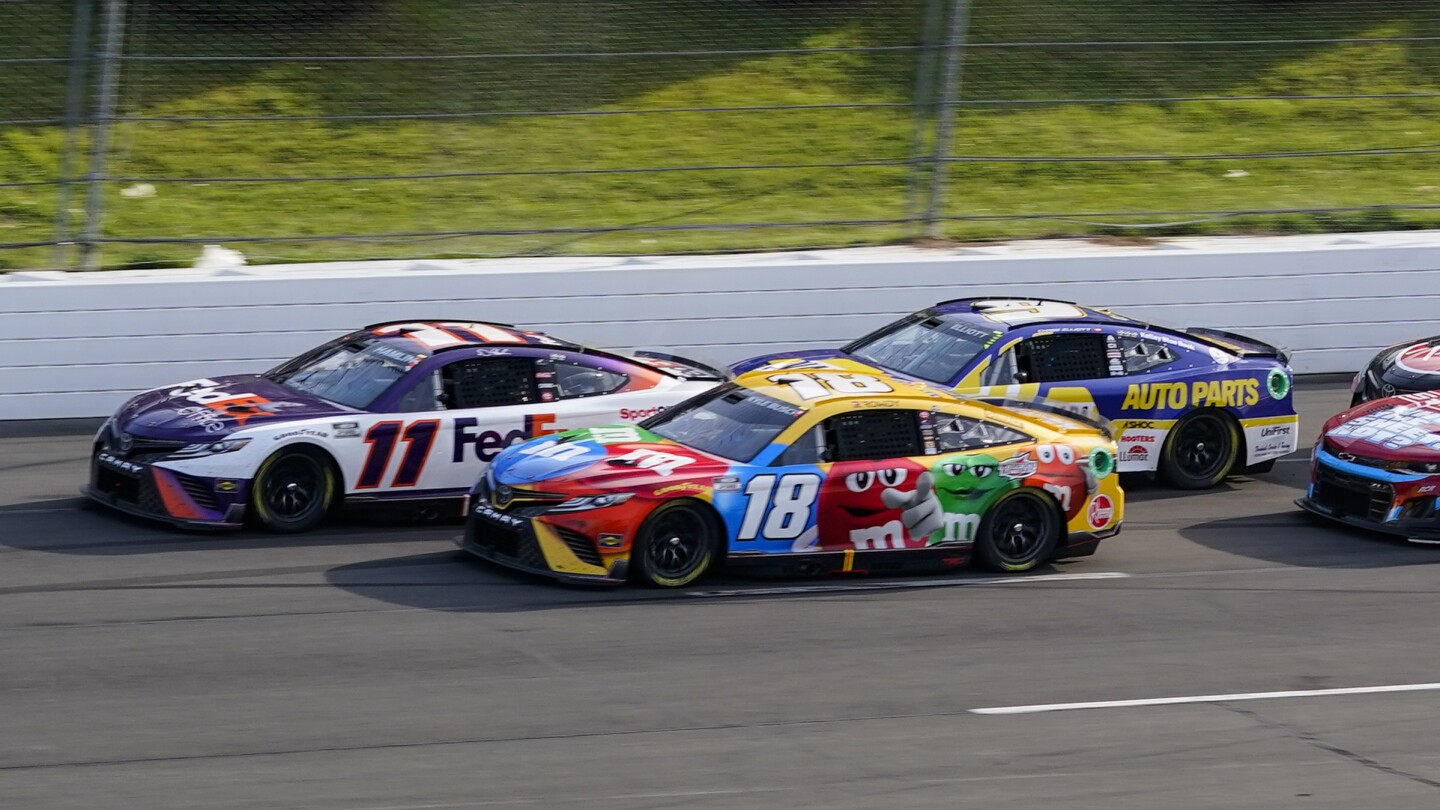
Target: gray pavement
368, 666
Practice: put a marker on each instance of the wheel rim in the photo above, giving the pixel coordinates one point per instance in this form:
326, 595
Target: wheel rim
1202, 448
677, 545
293, 488
1021, 528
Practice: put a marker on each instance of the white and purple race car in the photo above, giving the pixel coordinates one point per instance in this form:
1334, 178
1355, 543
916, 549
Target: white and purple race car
400, 411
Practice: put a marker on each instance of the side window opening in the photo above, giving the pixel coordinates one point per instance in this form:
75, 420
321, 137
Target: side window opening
808, 449
1059, 358
963, 433
877, 434
425, 396
1001, 370
1140, 356
575, 380
490, 382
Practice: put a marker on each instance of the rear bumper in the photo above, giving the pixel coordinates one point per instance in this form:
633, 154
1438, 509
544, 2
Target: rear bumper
1084, 544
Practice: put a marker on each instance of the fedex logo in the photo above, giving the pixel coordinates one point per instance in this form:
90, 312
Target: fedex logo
239, 407
205, 392
487, 444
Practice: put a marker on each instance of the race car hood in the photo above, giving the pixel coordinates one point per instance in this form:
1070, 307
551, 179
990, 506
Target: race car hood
606, 459
1403, 428
1413, 366
209, 409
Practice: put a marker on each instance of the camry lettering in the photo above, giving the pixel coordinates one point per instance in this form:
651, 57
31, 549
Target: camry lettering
112, 461
485, 511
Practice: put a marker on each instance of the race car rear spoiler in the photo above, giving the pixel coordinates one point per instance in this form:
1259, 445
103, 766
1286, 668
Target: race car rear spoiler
1100, 423
1238, 344
677, 366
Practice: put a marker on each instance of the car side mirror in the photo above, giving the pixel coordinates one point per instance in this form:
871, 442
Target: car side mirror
1022, 376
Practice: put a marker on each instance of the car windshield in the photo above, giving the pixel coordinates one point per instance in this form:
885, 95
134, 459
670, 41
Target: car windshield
354, 373
931, 348
729, 422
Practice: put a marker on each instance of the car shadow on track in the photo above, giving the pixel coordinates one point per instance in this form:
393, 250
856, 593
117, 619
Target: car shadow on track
455, 581
77, 526
1140, 488
1297, 538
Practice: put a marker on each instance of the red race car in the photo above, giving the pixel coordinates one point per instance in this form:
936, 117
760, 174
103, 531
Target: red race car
1377, 466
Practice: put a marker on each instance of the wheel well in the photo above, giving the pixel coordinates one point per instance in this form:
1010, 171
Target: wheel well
1239, 434
1043, 495
1054, 505
324, 457
716, 521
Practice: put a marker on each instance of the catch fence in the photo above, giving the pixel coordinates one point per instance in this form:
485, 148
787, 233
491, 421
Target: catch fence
134, 131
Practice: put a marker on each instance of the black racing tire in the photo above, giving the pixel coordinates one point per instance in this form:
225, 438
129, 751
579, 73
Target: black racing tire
1200, 451
1019, 532
676, 545
294, 490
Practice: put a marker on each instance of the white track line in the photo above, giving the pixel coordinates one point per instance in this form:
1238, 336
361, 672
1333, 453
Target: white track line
1119, 704
899, 584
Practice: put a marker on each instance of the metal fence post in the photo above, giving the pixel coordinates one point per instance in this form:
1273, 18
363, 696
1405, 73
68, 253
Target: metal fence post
111, 46
74, 102
945, 114
925, 66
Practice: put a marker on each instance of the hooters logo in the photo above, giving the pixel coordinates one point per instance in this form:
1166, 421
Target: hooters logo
1422, 358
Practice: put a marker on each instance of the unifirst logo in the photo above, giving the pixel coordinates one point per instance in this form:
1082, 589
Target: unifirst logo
1175, 396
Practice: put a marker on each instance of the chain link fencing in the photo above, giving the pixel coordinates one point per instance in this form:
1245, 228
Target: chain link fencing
134, 131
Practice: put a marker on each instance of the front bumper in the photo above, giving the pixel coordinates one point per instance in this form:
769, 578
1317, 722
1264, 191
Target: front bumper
1368, 497
234, 518
1422, 531
155, 493
533, 546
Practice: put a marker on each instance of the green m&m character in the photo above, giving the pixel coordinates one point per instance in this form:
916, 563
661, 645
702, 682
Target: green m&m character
967, 486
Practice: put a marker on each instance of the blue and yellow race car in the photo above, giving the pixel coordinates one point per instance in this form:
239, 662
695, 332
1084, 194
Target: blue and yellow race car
1192, 405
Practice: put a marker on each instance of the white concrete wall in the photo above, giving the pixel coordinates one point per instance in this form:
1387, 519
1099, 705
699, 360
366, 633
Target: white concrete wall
77, 344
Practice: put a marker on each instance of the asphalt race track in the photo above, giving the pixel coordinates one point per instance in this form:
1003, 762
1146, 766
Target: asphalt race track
369, 666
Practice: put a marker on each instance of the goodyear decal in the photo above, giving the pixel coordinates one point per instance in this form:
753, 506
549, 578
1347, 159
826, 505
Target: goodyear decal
1199, 394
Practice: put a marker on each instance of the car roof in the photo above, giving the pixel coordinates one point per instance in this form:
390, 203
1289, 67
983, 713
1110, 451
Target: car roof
1004, 314
899, 388
407, 335
908, 393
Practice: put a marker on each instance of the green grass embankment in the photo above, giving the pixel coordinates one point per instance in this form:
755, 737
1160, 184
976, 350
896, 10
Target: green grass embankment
510, 142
